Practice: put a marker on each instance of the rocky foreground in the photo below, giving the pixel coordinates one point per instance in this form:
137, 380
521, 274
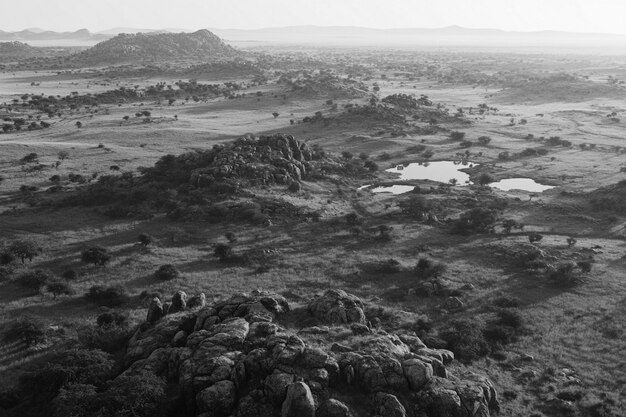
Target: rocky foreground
232, 359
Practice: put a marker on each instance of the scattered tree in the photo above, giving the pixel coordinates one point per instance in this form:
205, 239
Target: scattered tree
96, 255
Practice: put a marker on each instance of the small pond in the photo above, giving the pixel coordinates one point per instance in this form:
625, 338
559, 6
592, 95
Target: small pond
523, 184
439, 171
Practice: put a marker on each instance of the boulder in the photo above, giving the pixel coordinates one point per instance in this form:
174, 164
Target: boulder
298, 402
417, 373
197, 301
179, 302
337, 307
218, 399
155, 311
275, 386
388, 405
452, 303
333, 408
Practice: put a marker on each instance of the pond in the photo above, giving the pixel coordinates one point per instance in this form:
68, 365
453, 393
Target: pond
439, 171
523, 184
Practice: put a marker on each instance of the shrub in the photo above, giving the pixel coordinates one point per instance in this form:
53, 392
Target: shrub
346, 155
112, 318
506, 302
484, 140
465, 338
230, 236
534, 237
484, 179
167, 272
223, 252
110, 339
96, 255
425, 269
415, 206
476, 220
31, 157
57, 288
456, 135
30, 330
370, 165
353, 219
107, 296
388, 266
70, 274
145, 239
34, 280
571, 241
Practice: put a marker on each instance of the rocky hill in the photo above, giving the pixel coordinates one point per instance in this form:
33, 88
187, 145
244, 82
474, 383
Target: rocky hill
232, 358
157, 47
16, 50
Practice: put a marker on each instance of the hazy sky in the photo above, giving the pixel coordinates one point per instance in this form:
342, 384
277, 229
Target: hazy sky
605, 16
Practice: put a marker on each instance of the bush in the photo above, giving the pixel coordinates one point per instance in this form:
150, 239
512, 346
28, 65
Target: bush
31, 157
167, 273
110, 339
425, 269
34, 280
476, 220
223, 252
145, 239
112, 318
30, 330
465, 338
96, 255
534, 237
107, 296
353, 219
485, 179
456, 135
70, 275
6, 258
484, 140
415, 206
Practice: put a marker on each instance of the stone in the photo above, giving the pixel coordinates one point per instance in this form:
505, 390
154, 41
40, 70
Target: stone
298, 402
180, 339
359, 329
275, 386
337, 307
388, 405
339, 348
179, 302
417, 373
155, 311
452, 303
218, 399
333, 408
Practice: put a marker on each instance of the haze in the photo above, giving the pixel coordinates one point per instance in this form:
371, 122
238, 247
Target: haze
599, 16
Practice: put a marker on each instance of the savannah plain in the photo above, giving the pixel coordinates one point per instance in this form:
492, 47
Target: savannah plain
557, 119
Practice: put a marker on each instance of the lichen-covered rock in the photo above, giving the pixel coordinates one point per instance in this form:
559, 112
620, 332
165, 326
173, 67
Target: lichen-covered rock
275, 386
155, 311
417, 373
218, 399
388, 405
197, 301
179, 302
337, 307
298, 402
333, 408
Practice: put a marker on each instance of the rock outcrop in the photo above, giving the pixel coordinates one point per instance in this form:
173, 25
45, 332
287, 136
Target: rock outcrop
231, 358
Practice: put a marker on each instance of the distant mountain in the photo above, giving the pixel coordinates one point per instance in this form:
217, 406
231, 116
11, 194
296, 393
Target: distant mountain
143, 47
36, 34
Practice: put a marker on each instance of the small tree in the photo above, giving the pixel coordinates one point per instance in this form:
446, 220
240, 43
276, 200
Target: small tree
79, 124
31, 157
57, 288
96, 255
145, 239
456, 135
485, 179
34, 280
25, 249
275, 114
571, 241
484, 140
63, 155
166, 272
508, 224
231, 237
354, 219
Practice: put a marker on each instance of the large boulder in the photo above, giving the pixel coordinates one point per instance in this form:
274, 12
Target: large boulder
333, 408
299, 401
155, 311
337, 307
179, 302
417, 373
388, 405
218, 400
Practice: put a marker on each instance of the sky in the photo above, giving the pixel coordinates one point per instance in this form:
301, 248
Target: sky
600, 16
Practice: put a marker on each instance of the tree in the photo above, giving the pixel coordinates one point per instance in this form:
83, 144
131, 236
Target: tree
31, 157
145, 239
476, 220
57, 288
95, 255
346, 155
354, 219
571, 241
456, 135
534, 237
63, 155
79, 124
25, 249
223, 252
484, 179
484, 140
508, 224
34, 280
275, 114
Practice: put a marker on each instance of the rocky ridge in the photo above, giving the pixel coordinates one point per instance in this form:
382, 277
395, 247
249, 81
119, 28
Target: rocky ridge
231, 358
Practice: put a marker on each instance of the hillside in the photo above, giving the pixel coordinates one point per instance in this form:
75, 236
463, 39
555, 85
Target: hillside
201, 44
13, 50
